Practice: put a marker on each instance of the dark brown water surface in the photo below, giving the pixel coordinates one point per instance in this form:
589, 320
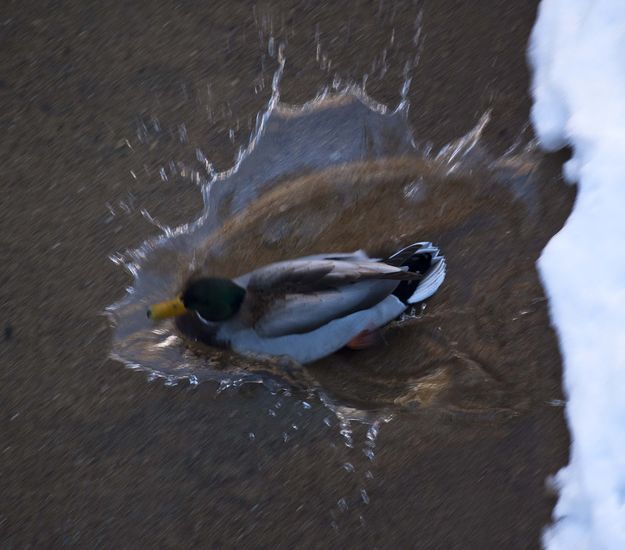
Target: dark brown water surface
470, 349
95, 101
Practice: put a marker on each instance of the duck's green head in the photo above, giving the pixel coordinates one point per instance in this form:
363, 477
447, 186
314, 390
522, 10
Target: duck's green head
214, 299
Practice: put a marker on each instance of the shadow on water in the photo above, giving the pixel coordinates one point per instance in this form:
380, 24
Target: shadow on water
342, 173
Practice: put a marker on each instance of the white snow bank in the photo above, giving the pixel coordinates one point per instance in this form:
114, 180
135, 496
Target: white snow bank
577, 50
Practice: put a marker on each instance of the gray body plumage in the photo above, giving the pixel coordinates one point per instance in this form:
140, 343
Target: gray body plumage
310, 307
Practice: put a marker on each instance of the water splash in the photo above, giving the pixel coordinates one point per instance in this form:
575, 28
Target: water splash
322, 143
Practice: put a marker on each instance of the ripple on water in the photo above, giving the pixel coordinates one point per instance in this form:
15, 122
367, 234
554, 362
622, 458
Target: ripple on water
342, 173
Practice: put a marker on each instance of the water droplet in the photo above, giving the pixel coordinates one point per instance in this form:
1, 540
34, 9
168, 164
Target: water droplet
251, 436
372, 432
348, 467
306, 405
341, 503
346, 433
364, 496
223, 386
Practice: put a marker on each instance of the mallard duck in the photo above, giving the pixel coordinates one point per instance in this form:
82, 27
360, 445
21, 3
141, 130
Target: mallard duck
310, 307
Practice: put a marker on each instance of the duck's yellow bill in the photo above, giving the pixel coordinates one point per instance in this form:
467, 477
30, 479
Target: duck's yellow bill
163, 310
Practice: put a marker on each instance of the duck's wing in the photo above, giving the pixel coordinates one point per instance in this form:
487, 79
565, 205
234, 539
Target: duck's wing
302, 295
302, 312
304, 275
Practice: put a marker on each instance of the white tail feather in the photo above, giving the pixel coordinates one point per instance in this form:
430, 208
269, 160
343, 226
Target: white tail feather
435, 275
433, 279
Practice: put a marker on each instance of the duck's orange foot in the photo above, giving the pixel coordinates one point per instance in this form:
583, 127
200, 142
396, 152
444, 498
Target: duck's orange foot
365, 339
